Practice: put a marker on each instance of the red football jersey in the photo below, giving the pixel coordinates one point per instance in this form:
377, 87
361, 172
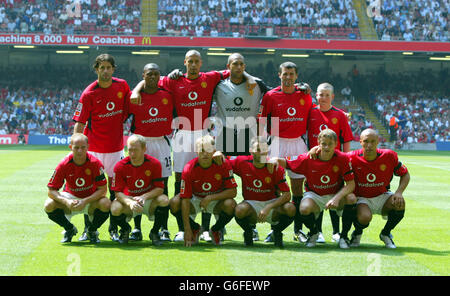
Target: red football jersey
194, 97
258, 184
153, 117
323, 177
80, 180
373, 178
103, 110
201, 182
334, 119
135, 181
291, 109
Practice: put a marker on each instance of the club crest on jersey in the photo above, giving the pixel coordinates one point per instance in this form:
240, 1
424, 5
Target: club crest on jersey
334, 120
291, 111
148, 173
153, 111
257, 183
302, 102
371, 177
165, 101
335, 168
325, 179
192, 96
383, 167
204, 84
268, 180
139, 183
206, 186
88, 172
80, 182
120, 95
217, 177
110, 106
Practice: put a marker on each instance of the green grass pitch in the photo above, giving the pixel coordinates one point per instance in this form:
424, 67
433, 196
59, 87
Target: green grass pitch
30, 241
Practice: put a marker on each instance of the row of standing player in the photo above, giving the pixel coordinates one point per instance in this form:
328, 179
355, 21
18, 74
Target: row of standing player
102, 107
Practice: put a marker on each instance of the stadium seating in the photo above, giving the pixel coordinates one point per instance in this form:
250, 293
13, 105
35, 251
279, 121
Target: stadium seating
421, 20
50, 17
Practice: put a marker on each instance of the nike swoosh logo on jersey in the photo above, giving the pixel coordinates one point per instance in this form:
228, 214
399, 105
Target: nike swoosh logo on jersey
99, 101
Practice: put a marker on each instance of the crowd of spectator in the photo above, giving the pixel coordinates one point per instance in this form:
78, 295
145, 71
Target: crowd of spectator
421, 117
70, 17
236, 18
420, 20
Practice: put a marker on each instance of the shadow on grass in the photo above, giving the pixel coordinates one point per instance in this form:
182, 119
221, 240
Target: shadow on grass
260, 247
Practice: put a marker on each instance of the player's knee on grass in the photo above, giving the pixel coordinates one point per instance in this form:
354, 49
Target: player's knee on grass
306, 207
116, 208
50, 205
288, 209
363, 214
175, 204
162, 200
103, 204
229, 206
350, 199
242, 210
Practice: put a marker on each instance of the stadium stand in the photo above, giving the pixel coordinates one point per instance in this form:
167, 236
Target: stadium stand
309, 19
420, 20
50, 17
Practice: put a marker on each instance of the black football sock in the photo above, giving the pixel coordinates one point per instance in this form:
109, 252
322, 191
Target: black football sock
87, 222
297, 219
99, 218
206, 221
319, 221
112, 222
177, 187
121, 221
194, 225
159, 216
284, 222
137, 222
179, 220
348, 216
165, 217
359, 227
334, 217
310, 222
394, 217
223, 220
244, 223
59, 218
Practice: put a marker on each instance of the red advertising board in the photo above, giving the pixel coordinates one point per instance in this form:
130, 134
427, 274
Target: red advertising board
189, 42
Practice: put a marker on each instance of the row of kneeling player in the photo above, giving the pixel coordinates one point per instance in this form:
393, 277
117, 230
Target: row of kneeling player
354, 184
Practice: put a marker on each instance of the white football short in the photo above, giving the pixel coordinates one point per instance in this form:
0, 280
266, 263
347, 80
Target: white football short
109, 160
147, 204
195, 202
376, 203
321, 201
284, 147
85, 211
159, 148
259, 205
183, 146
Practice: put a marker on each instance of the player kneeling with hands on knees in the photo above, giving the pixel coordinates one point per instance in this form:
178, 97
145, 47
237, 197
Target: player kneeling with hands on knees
205, 187
139, 190
325, 189
84, 191
266, 193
